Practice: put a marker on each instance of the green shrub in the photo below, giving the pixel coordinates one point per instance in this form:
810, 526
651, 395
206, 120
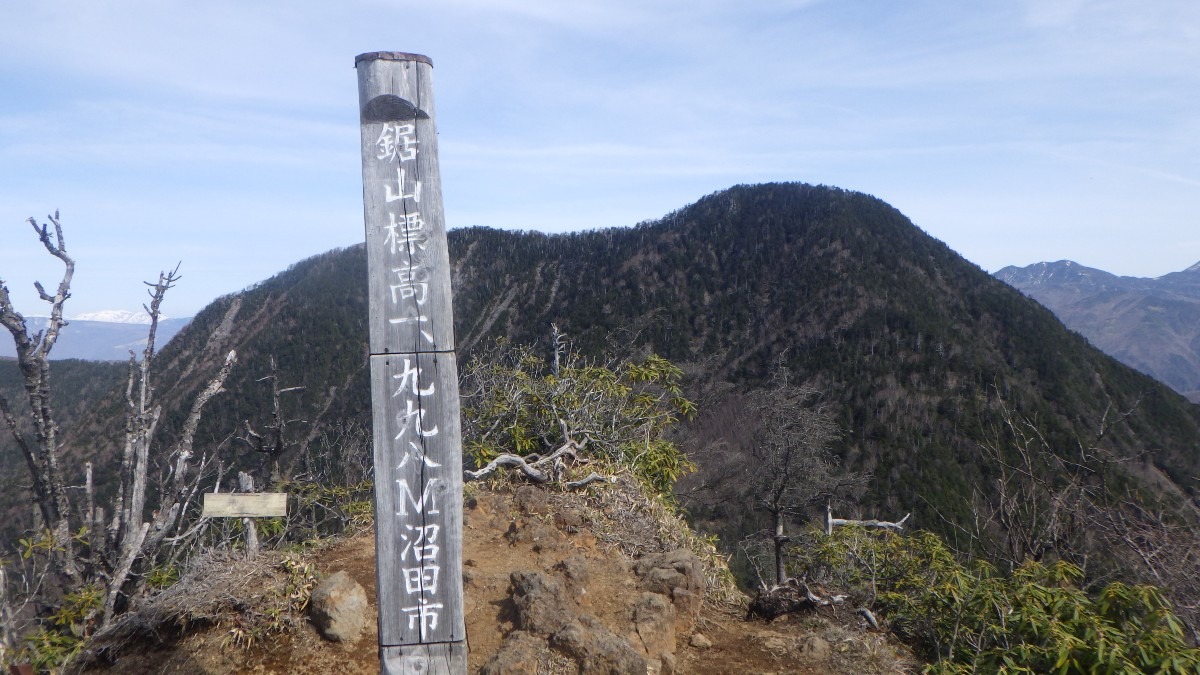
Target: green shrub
64, 632
973, 619
162, 576
515, 402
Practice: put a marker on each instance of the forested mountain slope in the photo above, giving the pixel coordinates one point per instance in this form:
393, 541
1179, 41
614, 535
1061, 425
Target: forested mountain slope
910, 343
77, 386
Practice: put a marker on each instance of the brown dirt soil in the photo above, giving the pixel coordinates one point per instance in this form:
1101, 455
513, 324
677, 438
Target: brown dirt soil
501, 537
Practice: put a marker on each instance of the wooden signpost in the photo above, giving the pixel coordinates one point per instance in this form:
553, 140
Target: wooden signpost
242, 505
246, 505
414, 374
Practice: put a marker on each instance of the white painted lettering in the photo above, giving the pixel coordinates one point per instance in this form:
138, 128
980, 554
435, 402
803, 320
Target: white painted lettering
405, 232
413, 284
410, 378
417, 452
413, 418
424, 615
397, 143
422, 544
420, 579
399, 194
419, 320
425, 504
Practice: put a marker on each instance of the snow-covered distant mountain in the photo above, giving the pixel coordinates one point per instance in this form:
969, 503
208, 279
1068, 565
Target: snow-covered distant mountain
116, 316
93, 340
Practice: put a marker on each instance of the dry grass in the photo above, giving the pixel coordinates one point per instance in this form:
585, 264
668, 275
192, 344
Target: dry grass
625, 515
251, 598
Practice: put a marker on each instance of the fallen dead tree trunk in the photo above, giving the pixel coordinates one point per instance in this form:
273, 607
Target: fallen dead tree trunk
831, 522
792, 596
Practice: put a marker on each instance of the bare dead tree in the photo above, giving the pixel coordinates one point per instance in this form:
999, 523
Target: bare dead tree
336, 481
766, 456
1041, 502
33, 359
831, 522
111, 546
1081, 504
273, 443
342, 455
791, 468
8, 612
1159, 547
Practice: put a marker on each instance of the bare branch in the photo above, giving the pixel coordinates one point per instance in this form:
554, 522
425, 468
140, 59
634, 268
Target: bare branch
130, 540
33, 352
183, 487
130, 552
273, 442
593, 477
532, 470
63, 292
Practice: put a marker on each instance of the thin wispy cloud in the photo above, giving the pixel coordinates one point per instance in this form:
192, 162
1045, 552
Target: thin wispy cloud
227, 131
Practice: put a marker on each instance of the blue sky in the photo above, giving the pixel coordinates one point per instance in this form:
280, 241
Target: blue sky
223, 134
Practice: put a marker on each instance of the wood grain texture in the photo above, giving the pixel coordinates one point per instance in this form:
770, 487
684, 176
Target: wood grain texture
418, 497
434, 659
414, 373
236, 505
409, 281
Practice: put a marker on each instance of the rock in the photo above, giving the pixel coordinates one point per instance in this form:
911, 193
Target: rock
687, 609
532, 501
574, 570
534, 533
338, 608
597, 650
679, 575
541, 607
667, 666
776, 644
568, 521
699, 641
792, 597
815, 648
519, 654
654, 624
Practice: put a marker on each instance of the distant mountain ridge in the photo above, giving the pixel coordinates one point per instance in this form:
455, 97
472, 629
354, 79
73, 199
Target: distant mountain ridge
1152, 325
916, 350
92, 340
115, 316
909, 342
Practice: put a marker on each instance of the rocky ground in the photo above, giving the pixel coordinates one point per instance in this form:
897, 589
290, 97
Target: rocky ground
549, 588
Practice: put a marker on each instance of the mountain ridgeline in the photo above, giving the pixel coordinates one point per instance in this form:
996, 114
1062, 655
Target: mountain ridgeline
910, 342
913, 347
1152, 325
97, 340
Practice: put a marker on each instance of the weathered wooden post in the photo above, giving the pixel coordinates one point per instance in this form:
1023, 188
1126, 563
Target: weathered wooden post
414, 374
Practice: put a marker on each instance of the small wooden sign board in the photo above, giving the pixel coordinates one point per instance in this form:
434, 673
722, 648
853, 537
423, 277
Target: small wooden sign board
244, 505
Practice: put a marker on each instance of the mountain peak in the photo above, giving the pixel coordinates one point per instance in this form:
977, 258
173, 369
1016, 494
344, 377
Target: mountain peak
1147, 323
115, 316
1052, 274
